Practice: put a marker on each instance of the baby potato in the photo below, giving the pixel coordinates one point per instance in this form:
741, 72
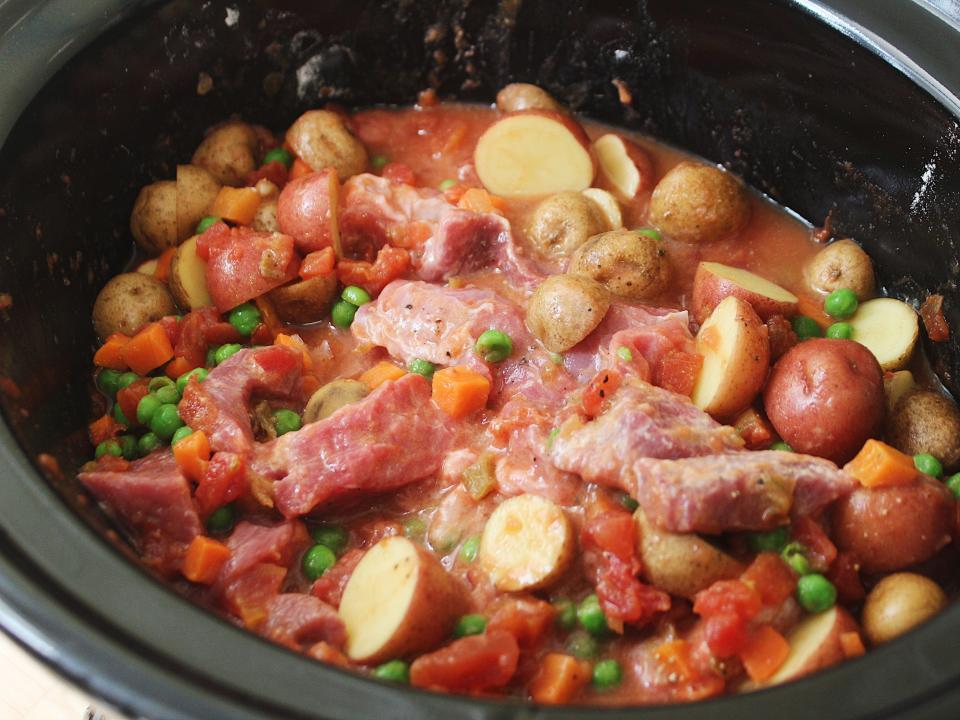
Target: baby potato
628, 264
524, 96
153, 221
842, 264
563, 222
229, 152
196, 191
321, 139
926, 422
333, 396
564, 309
304, 301
891, 528
698, 203
899, 603
128, 302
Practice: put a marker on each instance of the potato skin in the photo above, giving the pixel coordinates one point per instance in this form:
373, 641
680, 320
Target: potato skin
842, 264
926, 422
891, 528
899, 603
524, 96
196, 191
128, 302
229, 152
627, 263
699, 203
825, 397
322, 140
153, 221
564, 309
563, 222
304, 301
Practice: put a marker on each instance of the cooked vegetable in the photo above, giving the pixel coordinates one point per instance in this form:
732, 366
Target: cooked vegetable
699, 203
609, 207
879, 465
166, 421
494, 346
342, 314
191, 450
236, 205
196, 191
331, 397
524, 96
384, 371
840, 331
563, 222
221, 520
591, 616
899, 603
128, 302
624, 166
896, 385
564, 309
928, 464
265, 219
355, 295
422, 367
200, 374
317, 560
147, 443
842, 264
526, 544
226, 351
229, 152
841, 303
188, 282
322, 140
460, 391
627, 262
308, 301
153, 221
206, 223
714, 281
285, 421
148, 349
333, 536
815, 593
204, 559
559, 679
815, 644
399, 601
470, 625
607, 674
764, 653
806, 327
926, 422
280, 155
889, 329
394, 671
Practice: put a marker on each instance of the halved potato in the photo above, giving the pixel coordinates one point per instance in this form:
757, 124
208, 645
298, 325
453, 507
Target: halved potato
896, 386
399, 601
608, 205
333, 396
815, 644
526, 544
305, 301
889, 329
188, 277
714, 281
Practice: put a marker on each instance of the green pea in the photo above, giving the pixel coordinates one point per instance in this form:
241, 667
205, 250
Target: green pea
773, 541
650, 233
377, 162
280, 155
146, 408
607, 674
108, 447
285, 421
781, 446
591, 616
206, 223
470, 549
108, 381
221, 520
627, 502
333, 536
119, 416
395, 671
161, 381
953, 484
128, 447
422, 367
165, 421
355, 295
147, 443
815, 593
494, 346
342, 314
317, 560
624, 353
127, 379
806, 327
840, 331
582, 645
168, 395
928, 465
414, 528
180, 434
841, 303
470, 625
551, 437
447, 184
556, 358
795, 555
566, 617
199, 373
211, 360
226, 351
245, 318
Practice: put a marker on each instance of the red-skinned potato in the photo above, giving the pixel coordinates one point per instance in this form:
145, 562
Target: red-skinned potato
815, 644
533, 153
308, 211
891, 528
624, 167
825, 397
714, 281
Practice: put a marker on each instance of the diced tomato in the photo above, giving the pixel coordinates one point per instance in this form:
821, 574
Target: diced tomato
727, 607
247, 596
525, 617
755, 430
129, 397
771, 578
318, 263
613, 531
624, 597
274, 171
225, 480
844, 573
821, 552
677, 371
933, 320
109, 463
329, 586
399, 173
221, 333
262, 335
471, 664
390, 264
192, 343
693, 683
104, 428
171, 326
604, 384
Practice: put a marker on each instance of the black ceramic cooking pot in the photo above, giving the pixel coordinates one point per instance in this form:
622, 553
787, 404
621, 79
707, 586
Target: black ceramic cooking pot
850, 115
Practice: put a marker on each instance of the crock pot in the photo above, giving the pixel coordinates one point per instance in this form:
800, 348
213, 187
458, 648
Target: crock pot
846, 110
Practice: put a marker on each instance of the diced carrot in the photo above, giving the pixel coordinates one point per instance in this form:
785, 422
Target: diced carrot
460, 391
177, 367
238, 205
479, 200
268, 313
295, 342
879, 465
204, 559
110, 354
318, 263
148, 349
192, 454
380, 373
162, 271
299, 169
560, 678
852, 644
770, 576
104, 428
674, 658
764, 653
